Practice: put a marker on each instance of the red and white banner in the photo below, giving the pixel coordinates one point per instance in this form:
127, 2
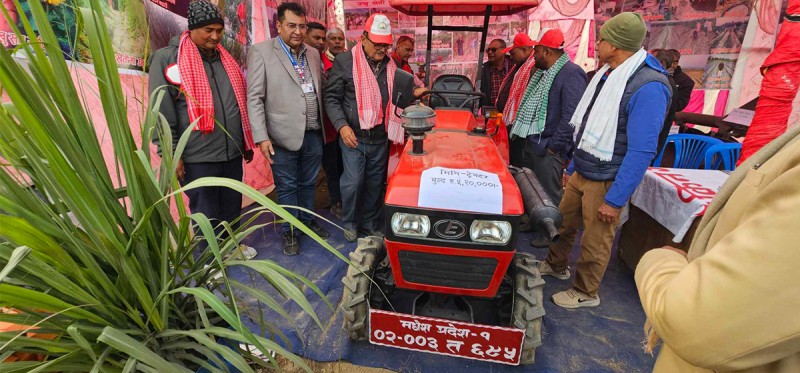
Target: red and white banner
675, 197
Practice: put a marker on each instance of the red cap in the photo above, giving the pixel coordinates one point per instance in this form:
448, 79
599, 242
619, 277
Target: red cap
520, 40
551, 38
378, 29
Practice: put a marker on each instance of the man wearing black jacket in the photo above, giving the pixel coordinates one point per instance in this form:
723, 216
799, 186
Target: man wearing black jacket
364, 132
493, 71
684, 83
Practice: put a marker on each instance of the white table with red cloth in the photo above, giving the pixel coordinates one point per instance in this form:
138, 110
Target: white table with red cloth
665, 210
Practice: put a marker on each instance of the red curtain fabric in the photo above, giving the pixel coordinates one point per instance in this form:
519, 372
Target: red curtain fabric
781, 80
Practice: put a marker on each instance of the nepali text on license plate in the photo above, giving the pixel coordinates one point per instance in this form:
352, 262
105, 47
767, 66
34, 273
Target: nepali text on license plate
447, 337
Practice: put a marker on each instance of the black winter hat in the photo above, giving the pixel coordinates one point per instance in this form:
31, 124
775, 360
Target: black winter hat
203, 13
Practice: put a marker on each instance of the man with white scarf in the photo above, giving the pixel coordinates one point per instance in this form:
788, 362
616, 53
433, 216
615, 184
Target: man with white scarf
616, 123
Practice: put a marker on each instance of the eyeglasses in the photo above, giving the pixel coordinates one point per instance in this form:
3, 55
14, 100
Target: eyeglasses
600, 40
491, 50
380, 47
293, 27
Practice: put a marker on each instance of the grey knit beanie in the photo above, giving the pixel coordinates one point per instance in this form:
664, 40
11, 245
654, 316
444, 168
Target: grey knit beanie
203, 13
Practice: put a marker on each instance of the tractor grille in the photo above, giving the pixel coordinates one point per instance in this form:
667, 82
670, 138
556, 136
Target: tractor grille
464, 272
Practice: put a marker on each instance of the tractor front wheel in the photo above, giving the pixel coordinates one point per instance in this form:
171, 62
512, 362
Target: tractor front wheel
528, 307
356, 287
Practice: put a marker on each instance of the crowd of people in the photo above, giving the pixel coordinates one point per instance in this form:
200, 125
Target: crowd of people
307, 104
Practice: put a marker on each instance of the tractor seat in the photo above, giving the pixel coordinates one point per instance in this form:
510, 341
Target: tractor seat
456, 83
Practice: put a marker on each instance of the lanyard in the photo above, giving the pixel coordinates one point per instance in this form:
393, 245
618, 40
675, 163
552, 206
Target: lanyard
299, 68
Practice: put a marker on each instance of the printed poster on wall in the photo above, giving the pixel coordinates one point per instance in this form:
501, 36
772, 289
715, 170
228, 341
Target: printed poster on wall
125, 19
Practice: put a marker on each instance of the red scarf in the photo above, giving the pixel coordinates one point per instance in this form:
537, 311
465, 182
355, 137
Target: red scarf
518, 86
194, 83
368, 96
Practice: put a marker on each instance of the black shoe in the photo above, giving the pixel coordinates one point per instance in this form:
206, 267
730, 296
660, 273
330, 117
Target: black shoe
351, 235
540, 241
291, 246
321, 232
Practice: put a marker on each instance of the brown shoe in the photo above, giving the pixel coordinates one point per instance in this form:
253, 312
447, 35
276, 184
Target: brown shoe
291, 246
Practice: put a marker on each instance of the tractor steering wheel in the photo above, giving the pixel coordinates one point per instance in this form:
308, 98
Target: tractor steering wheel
440, 93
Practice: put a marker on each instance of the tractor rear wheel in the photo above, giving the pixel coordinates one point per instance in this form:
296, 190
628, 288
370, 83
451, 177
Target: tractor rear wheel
528, 307
356, 287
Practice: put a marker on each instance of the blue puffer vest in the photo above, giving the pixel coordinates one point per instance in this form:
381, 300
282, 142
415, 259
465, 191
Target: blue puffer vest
590, 166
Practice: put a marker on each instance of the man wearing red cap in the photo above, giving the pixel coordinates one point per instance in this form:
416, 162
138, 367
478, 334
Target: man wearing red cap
542, 123
520, 52
359, 103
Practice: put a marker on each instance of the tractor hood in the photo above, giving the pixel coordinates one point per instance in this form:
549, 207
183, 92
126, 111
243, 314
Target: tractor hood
460, 171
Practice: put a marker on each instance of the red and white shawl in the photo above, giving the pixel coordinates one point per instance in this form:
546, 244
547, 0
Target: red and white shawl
368, 96
194, 83
518, 86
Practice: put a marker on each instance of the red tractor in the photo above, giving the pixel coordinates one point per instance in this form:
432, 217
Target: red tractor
447, 277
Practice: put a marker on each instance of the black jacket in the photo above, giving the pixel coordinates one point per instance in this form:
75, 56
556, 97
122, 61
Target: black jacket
670, 117
486, 82
340, 97
216, 146
684, 84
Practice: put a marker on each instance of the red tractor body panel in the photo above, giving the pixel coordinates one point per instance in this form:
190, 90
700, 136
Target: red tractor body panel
450, 145
463, 120
503, 259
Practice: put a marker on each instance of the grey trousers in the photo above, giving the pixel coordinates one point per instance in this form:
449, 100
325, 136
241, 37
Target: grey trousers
362, 184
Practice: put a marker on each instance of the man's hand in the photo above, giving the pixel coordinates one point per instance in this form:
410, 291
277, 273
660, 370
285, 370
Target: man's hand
348, 136
419, 92
267, 150
180, 172
564, 180
607, 214
248, 155
675, 249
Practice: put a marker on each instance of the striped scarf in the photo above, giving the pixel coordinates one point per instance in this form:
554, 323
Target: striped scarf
368, 97
533, 108
519, 79
194, 82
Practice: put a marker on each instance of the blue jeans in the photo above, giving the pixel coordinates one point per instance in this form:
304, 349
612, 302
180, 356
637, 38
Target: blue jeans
363, 184
296, 175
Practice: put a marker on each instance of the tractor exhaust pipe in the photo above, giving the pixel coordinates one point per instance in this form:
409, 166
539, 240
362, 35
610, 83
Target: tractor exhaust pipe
544, 214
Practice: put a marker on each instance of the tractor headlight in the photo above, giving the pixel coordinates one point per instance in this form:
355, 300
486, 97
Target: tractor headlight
410, 225
490, 231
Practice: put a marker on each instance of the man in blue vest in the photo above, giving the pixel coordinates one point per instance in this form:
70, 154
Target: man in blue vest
616, 123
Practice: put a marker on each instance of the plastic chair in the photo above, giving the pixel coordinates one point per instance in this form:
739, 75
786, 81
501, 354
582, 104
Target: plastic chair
690, 150
726, 154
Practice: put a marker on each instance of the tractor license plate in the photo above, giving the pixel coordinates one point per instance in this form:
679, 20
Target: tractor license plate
446, 337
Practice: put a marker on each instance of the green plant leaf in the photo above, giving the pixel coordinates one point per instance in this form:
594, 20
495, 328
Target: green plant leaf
137, 350
16, 257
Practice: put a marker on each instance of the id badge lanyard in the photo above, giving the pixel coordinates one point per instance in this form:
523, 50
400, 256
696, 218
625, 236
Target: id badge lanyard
298, 67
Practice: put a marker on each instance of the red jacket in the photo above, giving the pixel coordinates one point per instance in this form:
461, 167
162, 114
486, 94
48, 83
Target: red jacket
403, 65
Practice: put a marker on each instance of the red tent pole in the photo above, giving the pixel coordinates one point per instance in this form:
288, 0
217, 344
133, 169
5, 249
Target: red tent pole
781, 72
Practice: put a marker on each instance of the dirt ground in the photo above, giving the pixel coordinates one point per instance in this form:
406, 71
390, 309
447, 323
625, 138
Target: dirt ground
328, 367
